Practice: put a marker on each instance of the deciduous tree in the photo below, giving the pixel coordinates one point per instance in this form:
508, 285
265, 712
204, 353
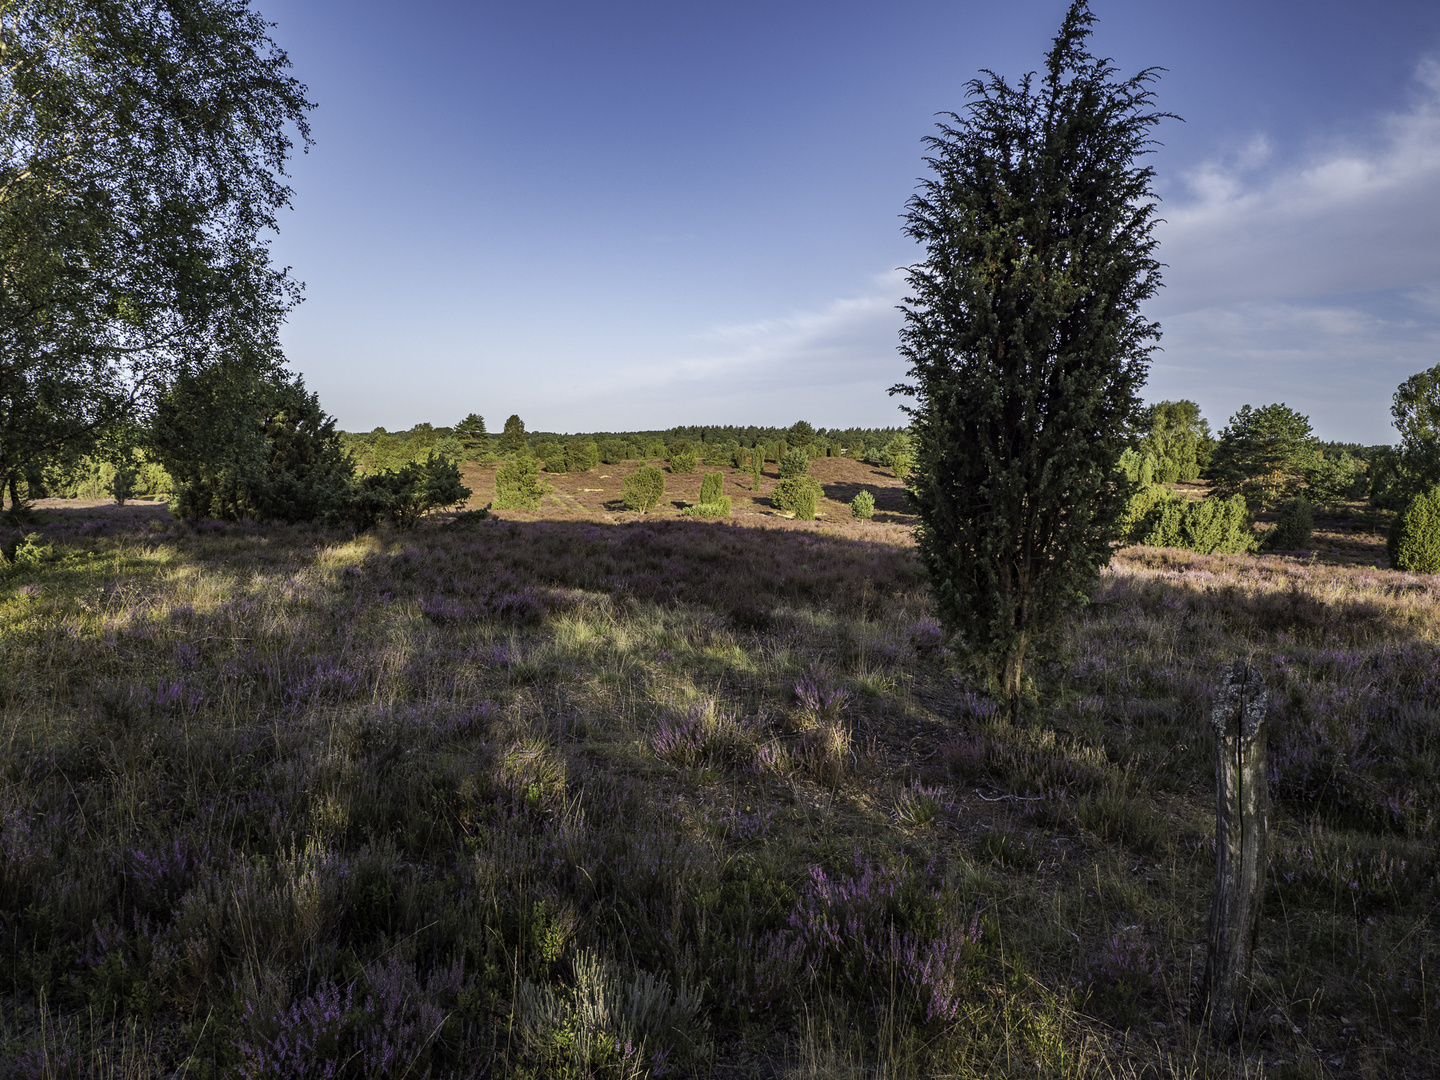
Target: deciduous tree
143, 146
1417, 417
1026, 343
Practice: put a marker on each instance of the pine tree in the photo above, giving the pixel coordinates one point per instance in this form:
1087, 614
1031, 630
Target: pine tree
1026, 343
1264, 454
473, 437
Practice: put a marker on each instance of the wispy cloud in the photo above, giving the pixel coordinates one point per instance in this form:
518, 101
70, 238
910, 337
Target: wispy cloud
1314, 282
1337, 362
832, 366
1349, 218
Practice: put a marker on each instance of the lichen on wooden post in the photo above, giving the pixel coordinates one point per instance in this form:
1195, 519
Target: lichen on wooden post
1242, 810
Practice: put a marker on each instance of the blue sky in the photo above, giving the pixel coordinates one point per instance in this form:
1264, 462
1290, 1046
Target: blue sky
634, 215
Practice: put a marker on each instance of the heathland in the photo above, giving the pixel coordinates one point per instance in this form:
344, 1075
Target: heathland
578, 791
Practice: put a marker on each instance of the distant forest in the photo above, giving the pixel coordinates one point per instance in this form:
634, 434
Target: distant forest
381, 449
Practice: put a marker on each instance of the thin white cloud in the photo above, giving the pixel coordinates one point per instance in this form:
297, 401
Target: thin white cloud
1349, 219
831, 366
1338, 363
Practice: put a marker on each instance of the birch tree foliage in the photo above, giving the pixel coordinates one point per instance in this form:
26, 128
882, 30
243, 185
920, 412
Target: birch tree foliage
143, 146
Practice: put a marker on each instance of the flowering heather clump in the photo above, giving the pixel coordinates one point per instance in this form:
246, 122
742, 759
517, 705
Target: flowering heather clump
385, 1031
158, 879
966, 757
927, 638
872, 928
820, 701
702, 734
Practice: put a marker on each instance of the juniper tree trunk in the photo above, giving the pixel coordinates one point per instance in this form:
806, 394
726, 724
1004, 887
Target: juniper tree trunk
1241, 827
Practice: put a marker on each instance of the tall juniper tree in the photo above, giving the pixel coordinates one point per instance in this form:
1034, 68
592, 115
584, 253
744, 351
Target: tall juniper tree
1026, 344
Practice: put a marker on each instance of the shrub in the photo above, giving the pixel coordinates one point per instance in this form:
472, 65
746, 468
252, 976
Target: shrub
402, 496
787, 493
654, 448
1217, 526
240, 443
518, 485
683, 458
897, 455
720, 507
1147, 470
644, 488
1414, 543
805, 502
617, 451
1292, 527
1157, 517
552, 456
863, 505
582, 454
1143, 511
795, 463
710, 487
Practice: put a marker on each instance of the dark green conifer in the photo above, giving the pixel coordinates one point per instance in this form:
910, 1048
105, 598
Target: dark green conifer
1026, 343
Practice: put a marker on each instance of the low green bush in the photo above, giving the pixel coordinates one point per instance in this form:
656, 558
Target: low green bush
683, 458
898, 455
807, 500
643, 489
863, 505
552, 456
403, 496
1147, 470
787, 493
1293, 525
518, 485
618, 451
1157, 517
1414, 542
795, 463
719, 507
582, 454
1144, 509
710, 487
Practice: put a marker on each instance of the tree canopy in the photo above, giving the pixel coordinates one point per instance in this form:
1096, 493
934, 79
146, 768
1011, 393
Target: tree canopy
1179, 440
1025, 341
143, 146
1265, 454
1416, 410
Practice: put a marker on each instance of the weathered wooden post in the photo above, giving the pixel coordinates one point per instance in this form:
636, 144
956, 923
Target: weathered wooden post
1242, 811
